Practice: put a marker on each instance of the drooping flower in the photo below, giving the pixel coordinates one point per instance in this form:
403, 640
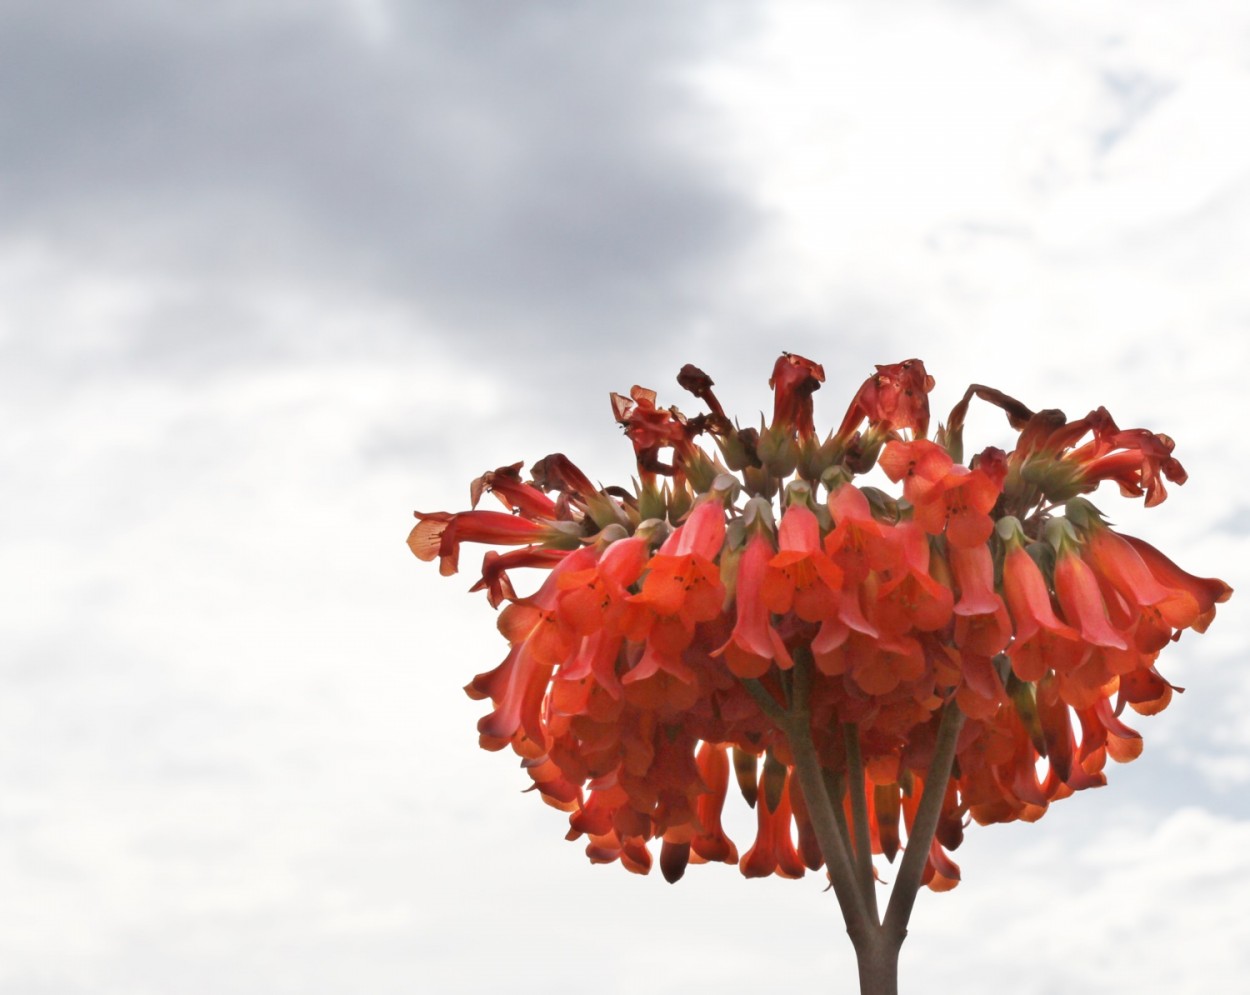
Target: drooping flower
1042, 640
682, 587
710, 842
774, 851
1076, 587
982, 625
755, 643
518, 686
859, 543
912, 597
802, 577
1205, 592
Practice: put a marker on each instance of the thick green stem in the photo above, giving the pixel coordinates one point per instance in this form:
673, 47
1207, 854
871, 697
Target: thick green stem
835, 789
878, 964
877, 958
859, 813
877, 942
807, 768
769, 705
920, 835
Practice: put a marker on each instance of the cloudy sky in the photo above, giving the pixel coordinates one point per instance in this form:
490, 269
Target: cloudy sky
273, 274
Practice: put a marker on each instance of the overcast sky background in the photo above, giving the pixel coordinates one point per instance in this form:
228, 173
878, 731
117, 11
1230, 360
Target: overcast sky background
273, 274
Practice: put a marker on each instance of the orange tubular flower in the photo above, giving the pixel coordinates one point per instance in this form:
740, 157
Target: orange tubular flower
754, 643
1204, 592
972, 496
518, 685
801, 577
1041, 641
858, 642
910, 597
1082, 602
947, 497
875, 666
773, 851
711, 843
595, 598
1146, 602
981, 693
681, 589
982, 626
924, 467
859, 543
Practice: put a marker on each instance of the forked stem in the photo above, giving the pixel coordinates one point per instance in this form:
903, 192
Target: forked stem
859, 815
877, 941
920, 837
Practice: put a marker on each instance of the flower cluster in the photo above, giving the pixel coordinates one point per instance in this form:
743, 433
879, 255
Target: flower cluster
680, 618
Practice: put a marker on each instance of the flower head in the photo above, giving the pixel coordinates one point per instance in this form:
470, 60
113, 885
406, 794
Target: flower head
740, 602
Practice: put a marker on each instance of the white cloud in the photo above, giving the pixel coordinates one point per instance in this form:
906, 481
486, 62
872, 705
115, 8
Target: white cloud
1117, 897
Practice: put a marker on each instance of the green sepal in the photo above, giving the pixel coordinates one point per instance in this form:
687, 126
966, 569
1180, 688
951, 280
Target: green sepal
757, 516
1043, 554
778, 452
604, 511
817, 458
884, 507
680, 501
652, 503
564, 535
799, 492
738, 448
834, 477
702, 471
1061, 534
1009, 530
1082, 514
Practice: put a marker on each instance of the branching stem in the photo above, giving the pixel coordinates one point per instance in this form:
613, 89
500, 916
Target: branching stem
920, 836
859, 815
846, 849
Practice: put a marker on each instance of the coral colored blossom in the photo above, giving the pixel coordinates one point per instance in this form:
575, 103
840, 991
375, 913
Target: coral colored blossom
801, 577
